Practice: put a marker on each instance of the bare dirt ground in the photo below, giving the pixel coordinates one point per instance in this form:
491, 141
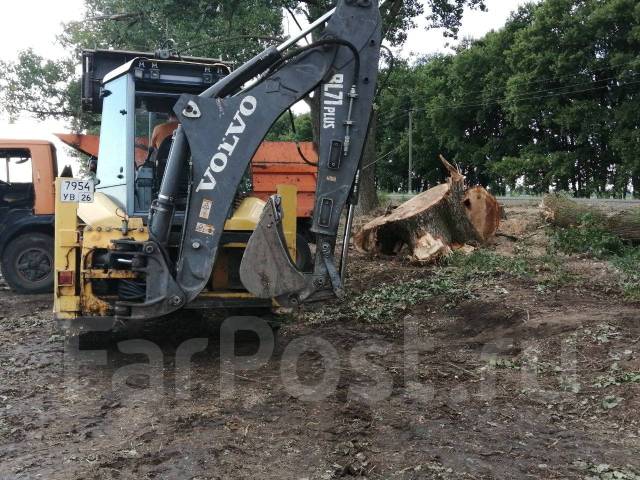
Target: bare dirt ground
509, 376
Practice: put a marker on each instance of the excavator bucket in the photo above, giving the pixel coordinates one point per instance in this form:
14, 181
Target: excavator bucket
267, 270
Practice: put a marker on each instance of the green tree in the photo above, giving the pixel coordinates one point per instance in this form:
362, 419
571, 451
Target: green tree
575, 75
221, 28
548, 102
282, 131
228, 29
39, 86
398, 17
224, 28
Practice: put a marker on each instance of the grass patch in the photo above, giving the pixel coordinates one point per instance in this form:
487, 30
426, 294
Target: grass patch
482, 263
504, 363
456, 278
389, 300
452, 279
588, 238
617, 378
554, 273
384, 199
627, 264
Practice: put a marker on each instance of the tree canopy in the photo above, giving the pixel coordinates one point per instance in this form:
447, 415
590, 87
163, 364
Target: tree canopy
227, 29
230, 29
549, 101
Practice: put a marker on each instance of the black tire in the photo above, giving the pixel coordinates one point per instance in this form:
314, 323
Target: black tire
27, 263
304, 259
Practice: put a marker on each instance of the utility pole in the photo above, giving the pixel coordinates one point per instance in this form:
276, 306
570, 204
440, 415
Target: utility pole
410, 151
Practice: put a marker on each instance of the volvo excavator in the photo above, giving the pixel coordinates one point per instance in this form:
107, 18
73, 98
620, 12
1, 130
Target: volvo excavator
126, 251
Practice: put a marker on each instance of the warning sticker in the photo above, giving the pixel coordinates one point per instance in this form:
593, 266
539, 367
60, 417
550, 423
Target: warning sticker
205, 209
205, 228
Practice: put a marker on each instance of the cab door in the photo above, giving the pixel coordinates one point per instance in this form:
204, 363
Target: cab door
116, 169
45, 170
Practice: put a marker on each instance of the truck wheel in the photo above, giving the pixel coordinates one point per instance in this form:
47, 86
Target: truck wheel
27, 263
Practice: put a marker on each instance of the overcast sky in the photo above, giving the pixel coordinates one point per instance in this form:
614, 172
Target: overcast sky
36, 23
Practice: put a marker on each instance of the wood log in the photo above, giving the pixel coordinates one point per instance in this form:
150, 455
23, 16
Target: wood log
626, 224
433, 223
561, 211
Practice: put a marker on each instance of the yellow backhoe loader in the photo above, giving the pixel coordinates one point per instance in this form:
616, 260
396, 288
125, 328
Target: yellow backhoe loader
176, 227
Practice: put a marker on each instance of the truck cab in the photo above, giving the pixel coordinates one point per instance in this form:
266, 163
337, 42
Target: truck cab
27, 172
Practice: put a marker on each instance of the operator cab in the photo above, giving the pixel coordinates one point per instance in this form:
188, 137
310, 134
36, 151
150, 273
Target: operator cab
136, 99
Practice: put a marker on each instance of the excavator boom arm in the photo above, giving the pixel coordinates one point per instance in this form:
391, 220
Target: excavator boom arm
222, 129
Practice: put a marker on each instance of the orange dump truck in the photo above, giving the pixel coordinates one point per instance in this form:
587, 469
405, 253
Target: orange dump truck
27, 172
274, 163
279, 163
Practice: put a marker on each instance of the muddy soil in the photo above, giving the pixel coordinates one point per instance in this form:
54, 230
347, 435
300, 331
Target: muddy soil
522, 384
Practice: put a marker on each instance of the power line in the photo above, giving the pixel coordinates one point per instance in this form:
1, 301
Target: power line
382, 157
559, 77
574, 85
451, 106
523, 96
610, 67
550, 79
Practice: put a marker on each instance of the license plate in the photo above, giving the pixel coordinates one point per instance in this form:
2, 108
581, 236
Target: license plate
76, 191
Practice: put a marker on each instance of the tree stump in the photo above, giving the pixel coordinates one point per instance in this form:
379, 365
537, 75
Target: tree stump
433, 223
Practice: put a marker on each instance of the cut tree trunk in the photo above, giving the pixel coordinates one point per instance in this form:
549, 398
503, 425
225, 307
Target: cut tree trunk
368, 199
563, 212
434, 222
483, 211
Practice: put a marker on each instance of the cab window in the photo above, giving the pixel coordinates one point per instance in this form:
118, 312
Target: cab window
155, 121
15, 166
154, 127
16, 178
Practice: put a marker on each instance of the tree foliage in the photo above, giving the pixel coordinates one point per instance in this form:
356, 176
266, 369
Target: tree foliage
39, 86
228, 29
398, 17
283, 131
548, 102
